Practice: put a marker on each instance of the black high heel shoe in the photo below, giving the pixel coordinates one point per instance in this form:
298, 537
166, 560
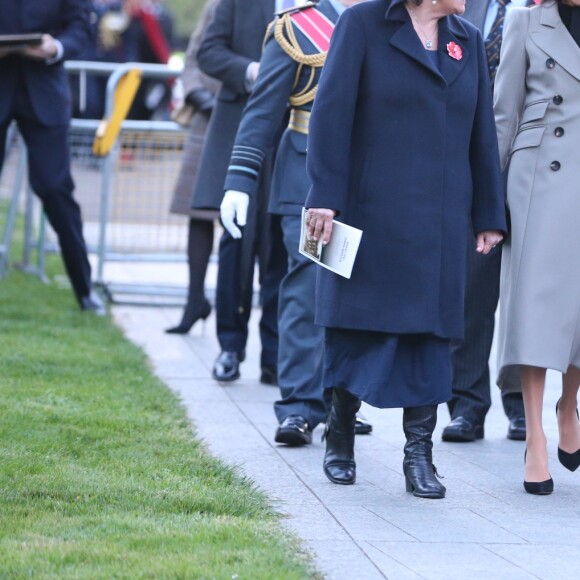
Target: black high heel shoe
570, 461
538, 487
191, 315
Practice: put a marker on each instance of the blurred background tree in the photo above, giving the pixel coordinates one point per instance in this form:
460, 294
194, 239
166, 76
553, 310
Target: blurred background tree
186, 13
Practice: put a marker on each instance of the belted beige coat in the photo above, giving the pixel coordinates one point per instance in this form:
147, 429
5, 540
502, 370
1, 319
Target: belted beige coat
537, 111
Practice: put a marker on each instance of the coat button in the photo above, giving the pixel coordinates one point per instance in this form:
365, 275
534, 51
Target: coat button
558, 131
550, 63
555, 165
558, 100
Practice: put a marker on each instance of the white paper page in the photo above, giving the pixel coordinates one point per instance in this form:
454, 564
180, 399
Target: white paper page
339, 254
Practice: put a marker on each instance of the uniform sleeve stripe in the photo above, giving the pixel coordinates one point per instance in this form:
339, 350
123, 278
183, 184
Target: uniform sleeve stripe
237, 168
248, 151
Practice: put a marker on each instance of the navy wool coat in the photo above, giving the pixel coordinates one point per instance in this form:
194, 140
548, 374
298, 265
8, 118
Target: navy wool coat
407, 152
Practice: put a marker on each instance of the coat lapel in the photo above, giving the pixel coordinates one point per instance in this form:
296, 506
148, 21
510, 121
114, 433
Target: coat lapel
551, 36
268, 11
451, 30
476, 11
406, 40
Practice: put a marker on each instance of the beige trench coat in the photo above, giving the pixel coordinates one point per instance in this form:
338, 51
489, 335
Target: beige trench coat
537, 110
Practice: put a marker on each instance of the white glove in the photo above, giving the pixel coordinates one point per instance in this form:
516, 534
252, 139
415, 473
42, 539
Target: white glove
234, 206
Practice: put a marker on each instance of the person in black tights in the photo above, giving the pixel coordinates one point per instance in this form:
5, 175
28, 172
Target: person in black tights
200, 91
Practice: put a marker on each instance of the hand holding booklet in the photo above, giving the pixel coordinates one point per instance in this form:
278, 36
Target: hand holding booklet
339, 254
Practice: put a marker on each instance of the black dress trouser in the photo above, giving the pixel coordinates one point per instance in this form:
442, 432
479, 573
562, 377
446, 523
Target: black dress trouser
470, 357
51, 180
262, 240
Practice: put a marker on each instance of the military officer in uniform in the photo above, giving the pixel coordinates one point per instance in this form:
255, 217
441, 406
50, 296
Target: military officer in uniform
290, 67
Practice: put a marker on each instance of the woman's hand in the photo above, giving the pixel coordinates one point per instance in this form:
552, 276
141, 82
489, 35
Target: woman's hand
319, 222
486, 241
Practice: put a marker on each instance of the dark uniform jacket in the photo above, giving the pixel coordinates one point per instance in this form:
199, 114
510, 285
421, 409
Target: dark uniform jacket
47, 85
265, 112
476, 12
231, 42
407, 152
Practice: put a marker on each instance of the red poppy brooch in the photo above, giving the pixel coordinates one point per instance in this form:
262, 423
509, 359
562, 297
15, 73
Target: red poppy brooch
454, 51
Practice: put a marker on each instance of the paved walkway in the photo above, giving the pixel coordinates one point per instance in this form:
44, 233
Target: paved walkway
487, 527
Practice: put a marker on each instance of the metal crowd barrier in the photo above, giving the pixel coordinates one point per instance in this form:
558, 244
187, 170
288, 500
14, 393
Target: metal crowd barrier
124, 196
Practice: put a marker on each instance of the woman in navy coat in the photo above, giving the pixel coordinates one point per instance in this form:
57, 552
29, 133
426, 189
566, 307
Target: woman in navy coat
403, 146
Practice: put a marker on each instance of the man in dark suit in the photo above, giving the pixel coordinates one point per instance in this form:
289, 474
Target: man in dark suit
230, 51
471, 381
289, 72
35, 93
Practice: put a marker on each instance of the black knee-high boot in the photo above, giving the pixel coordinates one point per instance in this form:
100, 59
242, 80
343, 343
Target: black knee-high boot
339, 464
420, 473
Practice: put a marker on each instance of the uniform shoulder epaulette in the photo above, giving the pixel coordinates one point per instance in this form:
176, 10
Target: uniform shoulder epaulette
296, 8
315, 28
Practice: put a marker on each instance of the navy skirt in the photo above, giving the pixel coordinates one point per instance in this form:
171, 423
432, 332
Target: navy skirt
388, 370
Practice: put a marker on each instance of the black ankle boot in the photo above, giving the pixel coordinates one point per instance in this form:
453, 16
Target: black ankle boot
420, 473
339, 465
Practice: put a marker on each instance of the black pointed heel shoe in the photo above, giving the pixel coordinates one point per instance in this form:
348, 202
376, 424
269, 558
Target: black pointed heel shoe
538, 487
191, 315
570, 461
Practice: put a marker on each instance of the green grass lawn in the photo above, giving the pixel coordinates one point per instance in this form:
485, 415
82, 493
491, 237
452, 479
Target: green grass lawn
100, 476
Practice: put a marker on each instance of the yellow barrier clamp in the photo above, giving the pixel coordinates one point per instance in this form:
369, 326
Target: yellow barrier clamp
109, 129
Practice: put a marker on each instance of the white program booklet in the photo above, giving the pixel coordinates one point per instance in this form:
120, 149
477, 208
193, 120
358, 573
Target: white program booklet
339, 254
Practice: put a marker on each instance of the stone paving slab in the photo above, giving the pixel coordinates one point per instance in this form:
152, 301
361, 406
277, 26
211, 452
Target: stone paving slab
487, 527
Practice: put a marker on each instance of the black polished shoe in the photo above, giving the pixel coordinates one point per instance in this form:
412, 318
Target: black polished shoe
227, 366
269, 375
362, 426
294, 431
517, 429
93, 303
461, 430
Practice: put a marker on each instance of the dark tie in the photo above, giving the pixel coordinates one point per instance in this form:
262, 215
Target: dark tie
493, 40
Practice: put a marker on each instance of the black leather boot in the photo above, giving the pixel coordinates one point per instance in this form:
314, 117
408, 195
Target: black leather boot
420, 473
339, 465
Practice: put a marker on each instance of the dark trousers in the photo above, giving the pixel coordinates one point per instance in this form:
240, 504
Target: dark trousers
50, 179
469, 357
262, 241
301, 341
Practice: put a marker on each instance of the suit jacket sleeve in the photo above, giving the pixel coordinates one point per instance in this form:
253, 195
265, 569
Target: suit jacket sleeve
262, 119
215, 55
488, 205
510, 82
333, 116
75, 32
